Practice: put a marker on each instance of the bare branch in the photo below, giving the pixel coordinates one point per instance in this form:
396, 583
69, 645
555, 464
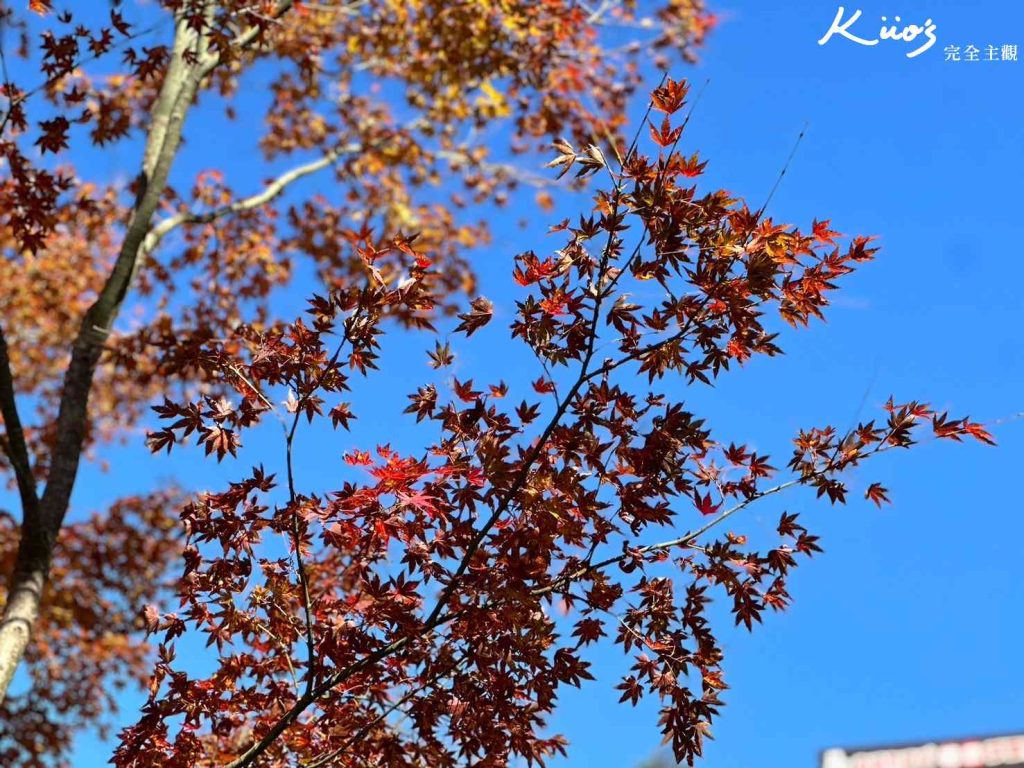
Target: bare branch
510, 170
273, 190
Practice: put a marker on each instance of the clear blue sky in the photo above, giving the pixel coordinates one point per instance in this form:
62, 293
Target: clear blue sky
908, 626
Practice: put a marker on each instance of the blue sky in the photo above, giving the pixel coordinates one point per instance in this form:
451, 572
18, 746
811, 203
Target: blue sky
907, 627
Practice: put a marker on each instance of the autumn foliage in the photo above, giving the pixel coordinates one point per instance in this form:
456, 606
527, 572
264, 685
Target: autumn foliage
427, 609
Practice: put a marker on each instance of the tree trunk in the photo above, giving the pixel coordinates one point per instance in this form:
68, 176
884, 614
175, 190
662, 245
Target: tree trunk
43, 517
24, 596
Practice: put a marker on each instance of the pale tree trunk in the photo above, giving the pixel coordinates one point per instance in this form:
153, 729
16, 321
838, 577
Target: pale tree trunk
26, 582
20, 614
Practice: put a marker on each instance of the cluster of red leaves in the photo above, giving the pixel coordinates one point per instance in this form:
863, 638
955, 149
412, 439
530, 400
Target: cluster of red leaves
81, 85
412, 622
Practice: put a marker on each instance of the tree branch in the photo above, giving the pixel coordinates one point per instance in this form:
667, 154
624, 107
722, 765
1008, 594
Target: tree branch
273, 190
456, 158
681, 541
584, 375
14, 443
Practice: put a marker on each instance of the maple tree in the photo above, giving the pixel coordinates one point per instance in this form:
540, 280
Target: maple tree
422, 587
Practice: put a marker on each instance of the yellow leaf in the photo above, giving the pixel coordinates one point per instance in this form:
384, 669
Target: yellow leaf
496, 99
